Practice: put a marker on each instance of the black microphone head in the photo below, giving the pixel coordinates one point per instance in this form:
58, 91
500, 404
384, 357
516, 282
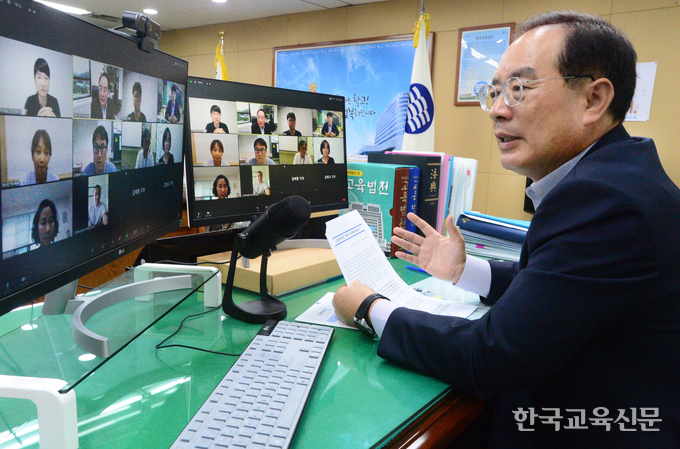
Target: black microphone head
282, 221
289, 215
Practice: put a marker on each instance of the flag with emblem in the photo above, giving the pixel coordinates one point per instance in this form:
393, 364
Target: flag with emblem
221, 72
419, 131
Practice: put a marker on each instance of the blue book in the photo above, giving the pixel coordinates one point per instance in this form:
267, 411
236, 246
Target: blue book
412, 206
491, 226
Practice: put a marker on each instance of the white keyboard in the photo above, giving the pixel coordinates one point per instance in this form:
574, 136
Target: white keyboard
259, 402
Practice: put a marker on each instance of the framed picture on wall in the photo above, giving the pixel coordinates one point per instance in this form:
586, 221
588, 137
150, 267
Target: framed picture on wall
374, 76
479, 51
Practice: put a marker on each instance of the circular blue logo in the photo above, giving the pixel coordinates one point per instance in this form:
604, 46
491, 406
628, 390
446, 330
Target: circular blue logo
420, 109
478, 86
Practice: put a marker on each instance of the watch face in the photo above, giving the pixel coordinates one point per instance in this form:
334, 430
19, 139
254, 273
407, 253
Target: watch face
363, 326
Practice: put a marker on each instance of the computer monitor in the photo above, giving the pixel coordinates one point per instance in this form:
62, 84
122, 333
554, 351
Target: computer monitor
91, 148
251, 146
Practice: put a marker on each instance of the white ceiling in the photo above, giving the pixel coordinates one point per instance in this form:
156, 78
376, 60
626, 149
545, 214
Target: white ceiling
176, 14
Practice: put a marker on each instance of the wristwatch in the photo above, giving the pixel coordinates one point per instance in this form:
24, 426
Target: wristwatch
360, 320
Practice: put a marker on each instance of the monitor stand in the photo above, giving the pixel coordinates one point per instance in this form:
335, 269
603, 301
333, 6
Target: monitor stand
56, 300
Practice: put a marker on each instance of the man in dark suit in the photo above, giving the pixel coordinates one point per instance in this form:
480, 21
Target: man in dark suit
261, 125
172, 111
104, 108
580, 347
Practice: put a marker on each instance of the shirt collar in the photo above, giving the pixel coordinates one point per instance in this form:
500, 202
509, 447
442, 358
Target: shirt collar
539, 189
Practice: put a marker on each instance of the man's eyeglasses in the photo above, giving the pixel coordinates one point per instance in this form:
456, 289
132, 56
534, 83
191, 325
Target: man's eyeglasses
513, 90
260, 150
101, 149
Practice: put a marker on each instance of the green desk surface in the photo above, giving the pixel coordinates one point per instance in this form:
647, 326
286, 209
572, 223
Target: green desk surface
142, 397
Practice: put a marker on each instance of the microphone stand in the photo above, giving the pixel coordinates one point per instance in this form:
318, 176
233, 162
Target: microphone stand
256, 311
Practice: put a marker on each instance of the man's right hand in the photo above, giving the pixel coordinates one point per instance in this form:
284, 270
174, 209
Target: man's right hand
442, 257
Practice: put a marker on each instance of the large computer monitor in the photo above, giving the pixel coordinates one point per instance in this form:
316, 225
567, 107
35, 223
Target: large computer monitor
91, 148
251, 146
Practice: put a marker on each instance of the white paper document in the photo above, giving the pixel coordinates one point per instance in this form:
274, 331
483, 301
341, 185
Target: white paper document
360, 257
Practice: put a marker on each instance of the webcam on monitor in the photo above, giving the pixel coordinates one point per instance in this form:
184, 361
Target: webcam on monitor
147, 31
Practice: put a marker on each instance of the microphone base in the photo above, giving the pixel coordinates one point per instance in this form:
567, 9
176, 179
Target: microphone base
257, 311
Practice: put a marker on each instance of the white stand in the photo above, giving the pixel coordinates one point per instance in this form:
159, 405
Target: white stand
57, 414
212, 291
90, 305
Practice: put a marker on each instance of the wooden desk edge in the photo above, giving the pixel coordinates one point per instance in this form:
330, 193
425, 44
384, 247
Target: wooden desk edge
437, 427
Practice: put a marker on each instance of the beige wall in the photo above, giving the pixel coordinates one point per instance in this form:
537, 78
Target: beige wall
462, 131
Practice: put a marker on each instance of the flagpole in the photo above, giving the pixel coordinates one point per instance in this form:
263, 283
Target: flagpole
422, 7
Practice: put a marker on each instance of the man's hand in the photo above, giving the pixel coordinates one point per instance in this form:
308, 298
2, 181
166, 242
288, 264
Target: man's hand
443, 257
347, 300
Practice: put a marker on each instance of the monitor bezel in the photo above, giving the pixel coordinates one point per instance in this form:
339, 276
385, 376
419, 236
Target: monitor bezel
66, 33
267, 95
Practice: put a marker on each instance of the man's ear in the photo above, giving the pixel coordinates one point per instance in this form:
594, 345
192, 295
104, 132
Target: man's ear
599, 95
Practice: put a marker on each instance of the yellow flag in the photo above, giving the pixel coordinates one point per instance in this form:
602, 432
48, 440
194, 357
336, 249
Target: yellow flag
221, 72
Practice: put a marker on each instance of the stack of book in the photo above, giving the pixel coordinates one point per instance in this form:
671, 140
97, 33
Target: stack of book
492, 237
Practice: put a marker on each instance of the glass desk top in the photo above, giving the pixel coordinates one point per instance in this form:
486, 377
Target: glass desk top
143, 397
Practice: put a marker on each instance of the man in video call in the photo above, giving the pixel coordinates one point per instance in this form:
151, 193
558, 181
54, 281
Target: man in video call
137, 115
172, 112
261, 158
100, 151
105, 107
583, 336
330, 129
98, 215
261, 125
291, 131
260, 187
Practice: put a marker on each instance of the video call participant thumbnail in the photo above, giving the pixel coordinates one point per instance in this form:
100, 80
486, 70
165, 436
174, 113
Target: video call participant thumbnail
301, 157
292, 121
261, 158
137, 115
103, 107
42, 104
216, 126
259, 186
172, 110
221, 189
41, 153
145, 156
261, 125
330, 129
98, 214
325, 154
45, 224
216, 153
100, 152
166, 157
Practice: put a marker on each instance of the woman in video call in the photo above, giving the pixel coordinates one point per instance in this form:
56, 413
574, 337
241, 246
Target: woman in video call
221, 187
216, 126
166, 158
216, 151
45, 224
42, 104
41, 152
325, 151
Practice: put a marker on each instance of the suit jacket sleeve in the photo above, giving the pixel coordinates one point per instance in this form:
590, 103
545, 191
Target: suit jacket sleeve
587, 268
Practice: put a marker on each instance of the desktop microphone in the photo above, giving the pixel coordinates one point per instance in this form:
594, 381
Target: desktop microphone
280, 222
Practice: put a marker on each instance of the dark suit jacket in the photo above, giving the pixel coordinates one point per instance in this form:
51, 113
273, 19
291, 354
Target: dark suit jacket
172, 109
96, 109
588, 318
255, 128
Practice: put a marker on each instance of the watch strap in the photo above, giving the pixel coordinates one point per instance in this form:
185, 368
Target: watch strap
360, 318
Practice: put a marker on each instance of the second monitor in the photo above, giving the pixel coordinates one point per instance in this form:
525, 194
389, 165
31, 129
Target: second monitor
254, 145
